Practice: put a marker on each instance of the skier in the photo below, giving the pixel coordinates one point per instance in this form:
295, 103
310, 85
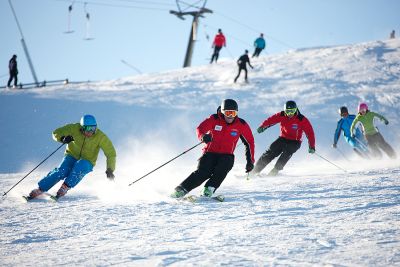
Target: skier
84, 141
13, 70
358, 143
242, 64
374, 138
219, 41
259, 45
293, 124
220, 133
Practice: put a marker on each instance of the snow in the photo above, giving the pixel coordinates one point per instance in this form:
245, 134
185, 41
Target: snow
312, 214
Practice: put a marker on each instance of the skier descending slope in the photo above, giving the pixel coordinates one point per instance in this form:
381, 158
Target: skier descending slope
293, 124
84, 141
220, 133
374, 138
357, 142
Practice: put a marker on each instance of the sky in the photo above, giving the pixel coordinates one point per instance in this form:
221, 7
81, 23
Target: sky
132, 36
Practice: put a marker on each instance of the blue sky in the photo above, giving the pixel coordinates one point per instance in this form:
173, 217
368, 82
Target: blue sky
148, 38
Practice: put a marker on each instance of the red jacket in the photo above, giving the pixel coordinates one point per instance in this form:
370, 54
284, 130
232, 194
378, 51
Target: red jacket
292, 128
225, 136
219, 40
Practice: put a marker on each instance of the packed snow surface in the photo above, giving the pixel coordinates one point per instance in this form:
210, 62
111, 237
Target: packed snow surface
312, 214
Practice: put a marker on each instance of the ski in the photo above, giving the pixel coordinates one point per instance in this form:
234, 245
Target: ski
51, 197
27, 198
194, 199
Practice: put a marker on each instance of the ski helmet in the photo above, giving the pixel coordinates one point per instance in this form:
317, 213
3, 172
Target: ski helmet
362, 106
88, 120
229, 104
343, 110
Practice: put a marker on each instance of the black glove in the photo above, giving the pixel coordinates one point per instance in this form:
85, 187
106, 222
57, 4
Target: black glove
334, 145
386, 122
110, 174
249, 167
66, 139
207, 138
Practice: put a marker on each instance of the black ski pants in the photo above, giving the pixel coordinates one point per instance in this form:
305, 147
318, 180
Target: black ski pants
240, 70
376, 142
14, 76
215, 55
281, 146
211, 166
257, 52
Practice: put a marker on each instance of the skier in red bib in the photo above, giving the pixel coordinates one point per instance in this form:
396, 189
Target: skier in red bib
293, 124
220, 133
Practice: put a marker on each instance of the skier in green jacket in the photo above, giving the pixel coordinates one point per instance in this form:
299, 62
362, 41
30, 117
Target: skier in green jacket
84, 141
374, 138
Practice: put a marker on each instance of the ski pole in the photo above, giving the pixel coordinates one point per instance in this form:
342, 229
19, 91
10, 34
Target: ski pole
34, 169
165, 163
329, 161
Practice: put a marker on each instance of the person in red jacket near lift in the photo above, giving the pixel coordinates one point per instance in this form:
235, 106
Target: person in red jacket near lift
293, 124
219, 42
220, 133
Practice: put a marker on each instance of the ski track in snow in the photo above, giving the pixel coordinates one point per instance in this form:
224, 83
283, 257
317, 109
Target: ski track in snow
332, 220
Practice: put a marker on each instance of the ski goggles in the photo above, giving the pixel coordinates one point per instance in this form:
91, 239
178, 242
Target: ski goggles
230, 113
89, 128
290, 111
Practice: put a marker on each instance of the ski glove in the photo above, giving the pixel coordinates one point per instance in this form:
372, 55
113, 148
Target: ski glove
334, 145
66, 139
249, 167
110, 174
207, 138
260, 129
386, 122
311, 150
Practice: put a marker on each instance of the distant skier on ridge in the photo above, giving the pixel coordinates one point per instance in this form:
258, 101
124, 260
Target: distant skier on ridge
218, 43
259, 45
242, 64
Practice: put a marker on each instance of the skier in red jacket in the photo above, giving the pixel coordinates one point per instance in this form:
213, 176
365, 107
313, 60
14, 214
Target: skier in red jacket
219, 42
293, 124
220, 133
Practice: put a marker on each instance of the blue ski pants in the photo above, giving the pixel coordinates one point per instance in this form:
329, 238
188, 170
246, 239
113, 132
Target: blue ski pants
70, 169
357, 142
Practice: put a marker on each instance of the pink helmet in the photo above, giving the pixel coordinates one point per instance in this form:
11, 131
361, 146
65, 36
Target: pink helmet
362, 106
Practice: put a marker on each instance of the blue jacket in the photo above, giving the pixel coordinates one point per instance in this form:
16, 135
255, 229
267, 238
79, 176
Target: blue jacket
344, 125
259, 43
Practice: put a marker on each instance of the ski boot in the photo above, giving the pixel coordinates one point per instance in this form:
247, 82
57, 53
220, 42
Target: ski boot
179, 192
62, 191
34, 194
208, 191
273, 172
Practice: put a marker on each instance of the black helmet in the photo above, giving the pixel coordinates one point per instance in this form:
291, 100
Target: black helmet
343, 110
229, 104
290, 105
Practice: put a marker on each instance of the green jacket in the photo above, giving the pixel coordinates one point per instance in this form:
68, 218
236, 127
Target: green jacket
87, 147
367, 121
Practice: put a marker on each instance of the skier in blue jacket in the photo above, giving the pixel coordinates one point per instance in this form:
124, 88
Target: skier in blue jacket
259, 44
358, 142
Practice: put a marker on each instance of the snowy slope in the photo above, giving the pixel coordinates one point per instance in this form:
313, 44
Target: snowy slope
312, 214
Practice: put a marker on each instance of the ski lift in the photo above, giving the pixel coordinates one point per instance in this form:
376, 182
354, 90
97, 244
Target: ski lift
69, 19
87, 34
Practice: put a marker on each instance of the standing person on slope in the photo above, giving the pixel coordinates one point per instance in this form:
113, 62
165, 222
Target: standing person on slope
219, 42
242, 64
293, 124
259, 45
374, 138
358, 143
84, 141
220, 133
